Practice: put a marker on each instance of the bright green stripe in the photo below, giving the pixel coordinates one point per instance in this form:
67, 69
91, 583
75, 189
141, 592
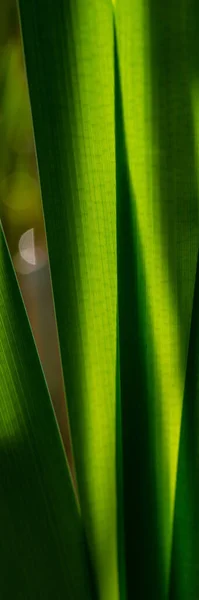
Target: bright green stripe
119, 432
42, 551
120, 482
69, 56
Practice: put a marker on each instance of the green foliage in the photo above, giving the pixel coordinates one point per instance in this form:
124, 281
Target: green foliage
42, 552
114, 102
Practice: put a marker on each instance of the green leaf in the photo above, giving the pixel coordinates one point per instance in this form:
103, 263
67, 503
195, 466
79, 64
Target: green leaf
136, 389
70, 67
42, 547
156, 81
184, 582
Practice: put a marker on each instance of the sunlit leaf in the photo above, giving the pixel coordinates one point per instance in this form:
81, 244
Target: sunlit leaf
155, 58
70, 67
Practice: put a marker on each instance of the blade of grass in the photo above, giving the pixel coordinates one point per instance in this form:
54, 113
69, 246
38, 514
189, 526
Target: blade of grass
69, 59
155, 83
42, 546
184, 579
141, 530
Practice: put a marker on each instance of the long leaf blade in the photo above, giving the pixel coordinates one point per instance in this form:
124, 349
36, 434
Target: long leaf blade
156, 96
42, 548
69, 58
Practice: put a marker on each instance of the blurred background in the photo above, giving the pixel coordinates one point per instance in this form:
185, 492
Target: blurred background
21, 209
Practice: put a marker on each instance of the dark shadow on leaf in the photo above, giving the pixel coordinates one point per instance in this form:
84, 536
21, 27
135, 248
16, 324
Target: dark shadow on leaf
184, 578
172, 55
143, 551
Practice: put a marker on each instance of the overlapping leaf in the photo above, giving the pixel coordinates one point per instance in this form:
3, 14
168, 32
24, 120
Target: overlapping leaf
154, 61
42, 548
69, 58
